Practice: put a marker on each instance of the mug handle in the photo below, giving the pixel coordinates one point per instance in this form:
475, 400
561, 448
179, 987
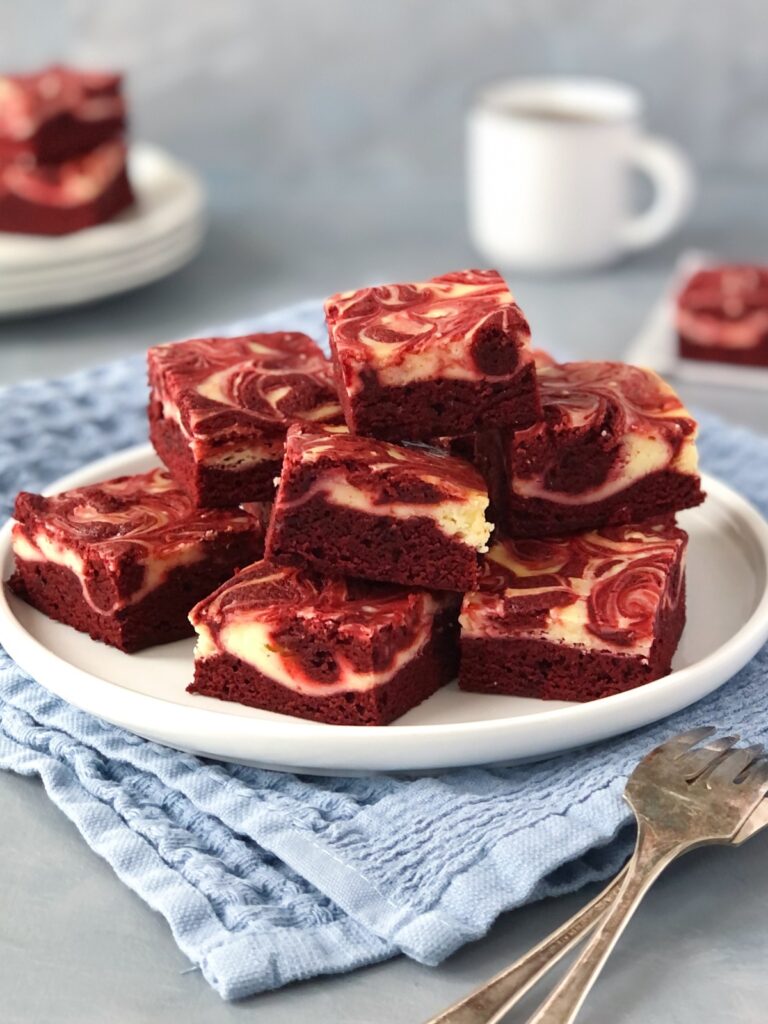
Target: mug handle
672, 176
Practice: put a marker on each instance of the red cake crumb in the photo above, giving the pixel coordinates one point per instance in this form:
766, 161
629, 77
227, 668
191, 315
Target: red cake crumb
58, 199
285, 639
615, 445
125, 560
722, 315
542, 358
59, 113
220, 407
354, 506
576, 618
443, 357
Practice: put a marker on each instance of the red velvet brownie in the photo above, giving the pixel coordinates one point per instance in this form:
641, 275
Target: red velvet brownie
615, 445
575, 618
125, 560
354, 506
58, 113
443, 357
57, 199
722, 315
345, 652
220, 407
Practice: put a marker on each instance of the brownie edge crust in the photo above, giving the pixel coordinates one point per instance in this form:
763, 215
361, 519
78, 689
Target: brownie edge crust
228, 678
551, 671
159, 618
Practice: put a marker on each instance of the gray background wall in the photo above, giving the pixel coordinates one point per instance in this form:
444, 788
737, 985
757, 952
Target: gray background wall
322, 98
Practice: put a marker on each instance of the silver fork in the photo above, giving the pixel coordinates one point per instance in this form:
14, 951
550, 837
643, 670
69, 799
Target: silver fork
489, 1003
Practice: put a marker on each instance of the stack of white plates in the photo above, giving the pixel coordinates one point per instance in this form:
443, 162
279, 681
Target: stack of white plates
159, 234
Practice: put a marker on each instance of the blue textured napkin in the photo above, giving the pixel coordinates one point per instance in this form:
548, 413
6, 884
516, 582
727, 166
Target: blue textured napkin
265, 878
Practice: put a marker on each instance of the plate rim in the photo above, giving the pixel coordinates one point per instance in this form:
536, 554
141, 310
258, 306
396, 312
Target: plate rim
35, 658
108, 276
97, 264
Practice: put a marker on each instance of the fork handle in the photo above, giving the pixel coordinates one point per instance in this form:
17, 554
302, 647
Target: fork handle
492, 1000
647, 863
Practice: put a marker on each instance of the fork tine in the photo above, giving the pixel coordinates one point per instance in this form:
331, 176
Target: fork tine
756, 774
728, 768
697, 761
678, 745
758, 754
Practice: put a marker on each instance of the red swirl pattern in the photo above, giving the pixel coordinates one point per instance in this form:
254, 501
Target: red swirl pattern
364, 624
728, 290
71, 183
147, 511
225, 386
725, 306
623, 606
459, 308
389, 473
629, 398
593, 413
620, 576
27, 101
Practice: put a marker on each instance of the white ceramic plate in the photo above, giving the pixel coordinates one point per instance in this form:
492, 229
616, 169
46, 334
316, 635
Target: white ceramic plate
72, 289
84, 270
145, 692
159, 234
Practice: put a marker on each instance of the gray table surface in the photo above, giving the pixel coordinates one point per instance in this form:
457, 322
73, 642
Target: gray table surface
77, 946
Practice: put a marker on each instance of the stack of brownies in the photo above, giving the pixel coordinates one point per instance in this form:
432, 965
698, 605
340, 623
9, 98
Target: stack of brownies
383, 575
62, 151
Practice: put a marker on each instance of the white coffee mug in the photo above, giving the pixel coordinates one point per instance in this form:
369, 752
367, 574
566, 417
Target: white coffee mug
549, 164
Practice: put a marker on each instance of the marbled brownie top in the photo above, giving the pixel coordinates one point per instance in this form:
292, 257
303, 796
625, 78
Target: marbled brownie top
601, 590
146, 514
464, 325
314, 634
633, 420
74, 182
222, 387
29, 101
725, 306
385, 479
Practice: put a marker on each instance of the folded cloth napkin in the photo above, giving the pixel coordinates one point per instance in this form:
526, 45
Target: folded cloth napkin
265, 878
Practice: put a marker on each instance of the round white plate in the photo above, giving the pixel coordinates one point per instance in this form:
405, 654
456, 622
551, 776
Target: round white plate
68, 290
145, 692
87, 269
161, 232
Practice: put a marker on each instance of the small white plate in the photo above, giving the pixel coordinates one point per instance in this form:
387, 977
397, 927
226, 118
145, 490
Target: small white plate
159, 234
141, 268
145, 692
